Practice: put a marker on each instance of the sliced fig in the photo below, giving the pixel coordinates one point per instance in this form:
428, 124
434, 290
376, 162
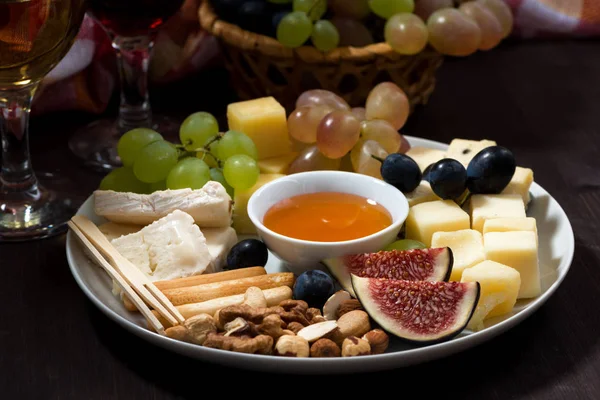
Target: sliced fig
418, 311
413, 265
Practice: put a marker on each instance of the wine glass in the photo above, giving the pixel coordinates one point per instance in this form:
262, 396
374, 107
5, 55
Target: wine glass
34, 37
131, 26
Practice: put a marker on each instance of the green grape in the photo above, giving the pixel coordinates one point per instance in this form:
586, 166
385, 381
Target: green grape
210, 157
132, 142
154, 162
197, 129
235, 142
188, 173
313, 8
157, 186
387, 8
241, 171
123, 180
294, 29
405, 244
406, 33
325, 35
216, 174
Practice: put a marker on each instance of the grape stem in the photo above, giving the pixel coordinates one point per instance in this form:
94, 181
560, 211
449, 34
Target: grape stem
205, 149
381, 160
314, 5
464, 198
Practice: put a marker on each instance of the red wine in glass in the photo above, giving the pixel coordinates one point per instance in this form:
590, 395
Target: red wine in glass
133, 17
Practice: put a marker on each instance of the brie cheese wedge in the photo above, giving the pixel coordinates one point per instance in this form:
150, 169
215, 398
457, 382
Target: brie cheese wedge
210, 207
172, 247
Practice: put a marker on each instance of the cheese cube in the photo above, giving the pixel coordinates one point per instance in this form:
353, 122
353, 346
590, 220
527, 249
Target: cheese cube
495, 279
464, 150
264, 121
434, 216
277, 165
241, 221
425, 156
422, 194
466, 246
520, 183
518, 250
490, 206
510, 224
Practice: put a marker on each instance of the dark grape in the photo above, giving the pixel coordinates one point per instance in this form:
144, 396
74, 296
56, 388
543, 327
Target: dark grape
314, 287
401, 171
426, 173
247, 253
448, 178
275, 20
255, 16
490, 170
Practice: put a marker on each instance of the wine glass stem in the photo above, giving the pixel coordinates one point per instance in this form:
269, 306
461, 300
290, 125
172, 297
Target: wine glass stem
133, 57
16, 177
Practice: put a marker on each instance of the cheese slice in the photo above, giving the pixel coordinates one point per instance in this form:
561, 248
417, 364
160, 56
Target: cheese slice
210, 207
490, 206
425, 156
172, 247
277, 165
520, 183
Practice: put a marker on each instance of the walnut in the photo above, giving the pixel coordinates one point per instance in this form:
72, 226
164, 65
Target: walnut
261, 344
272, 325
298, 305
378, 340
194, 329
314, 316
353, 346
294, 311
292, 346
295, 327
325, 348
240, 327
249, 313
347, 306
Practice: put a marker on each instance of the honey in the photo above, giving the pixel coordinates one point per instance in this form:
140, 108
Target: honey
327, 217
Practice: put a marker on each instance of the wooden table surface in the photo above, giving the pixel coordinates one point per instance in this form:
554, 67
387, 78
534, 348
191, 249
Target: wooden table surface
540, 99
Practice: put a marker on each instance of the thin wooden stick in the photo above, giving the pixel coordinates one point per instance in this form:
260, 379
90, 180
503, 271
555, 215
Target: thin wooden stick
132, 275
137, 301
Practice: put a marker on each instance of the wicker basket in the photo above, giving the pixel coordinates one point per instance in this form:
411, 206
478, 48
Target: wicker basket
260, 66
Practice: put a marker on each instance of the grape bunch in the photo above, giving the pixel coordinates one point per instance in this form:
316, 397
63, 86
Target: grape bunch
408, 26
336, 134
151, 163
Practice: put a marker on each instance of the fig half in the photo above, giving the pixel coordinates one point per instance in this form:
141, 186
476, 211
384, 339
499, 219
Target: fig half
418, 311
433, 264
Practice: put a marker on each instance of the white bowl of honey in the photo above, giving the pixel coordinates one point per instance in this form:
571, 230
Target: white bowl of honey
307, 217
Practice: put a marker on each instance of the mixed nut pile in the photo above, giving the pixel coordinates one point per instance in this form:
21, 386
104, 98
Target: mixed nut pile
291, 329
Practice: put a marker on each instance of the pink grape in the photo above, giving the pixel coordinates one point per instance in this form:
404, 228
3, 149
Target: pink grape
355, 9
387, 101
453, 33
362, 160
360, 113
502, 12
424, 8
320, 97
383, 133
491, 30
404, 146
352, 32
406, 33
303, 122
337, 133
310, 159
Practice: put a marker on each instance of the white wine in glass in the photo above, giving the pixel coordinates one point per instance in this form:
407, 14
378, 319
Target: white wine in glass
34, 36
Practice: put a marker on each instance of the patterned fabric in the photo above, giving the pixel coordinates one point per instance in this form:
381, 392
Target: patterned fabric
86, 78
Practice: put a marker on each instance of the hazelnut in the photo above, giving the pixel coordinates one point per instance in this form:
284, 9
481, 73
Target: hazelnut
378, 340
348, 305
325, 348
295, 326
354, 346
292, 346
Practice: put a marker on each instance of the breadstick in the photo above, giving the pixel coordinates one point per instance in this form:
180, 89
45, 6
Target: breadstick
274, 297
209, 291
202, 279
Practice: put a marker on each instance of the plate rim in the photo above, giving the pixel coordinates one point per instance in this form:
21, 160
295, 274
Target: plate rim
333, 365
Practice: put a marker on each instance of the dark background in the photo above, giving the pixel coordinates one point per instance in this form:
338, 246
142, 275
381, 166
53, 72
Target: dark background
541, 99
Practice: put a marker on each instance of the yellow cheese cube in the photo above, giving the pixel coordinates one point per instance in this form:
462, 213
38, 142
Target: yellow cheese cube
422, 194
495, 279
520, 183
466, 246
276, 165
464, 150
490, 206
518, 250
241, 221
425, 156
510, 224
434, 216
264, 121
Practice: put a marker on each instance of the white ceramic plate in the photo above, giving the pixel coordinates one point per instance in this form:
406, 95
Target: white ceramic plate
556, 253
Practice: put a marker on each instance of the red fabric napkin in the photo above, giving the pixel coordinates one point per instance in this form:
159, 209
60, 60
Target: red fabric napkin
86, 78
